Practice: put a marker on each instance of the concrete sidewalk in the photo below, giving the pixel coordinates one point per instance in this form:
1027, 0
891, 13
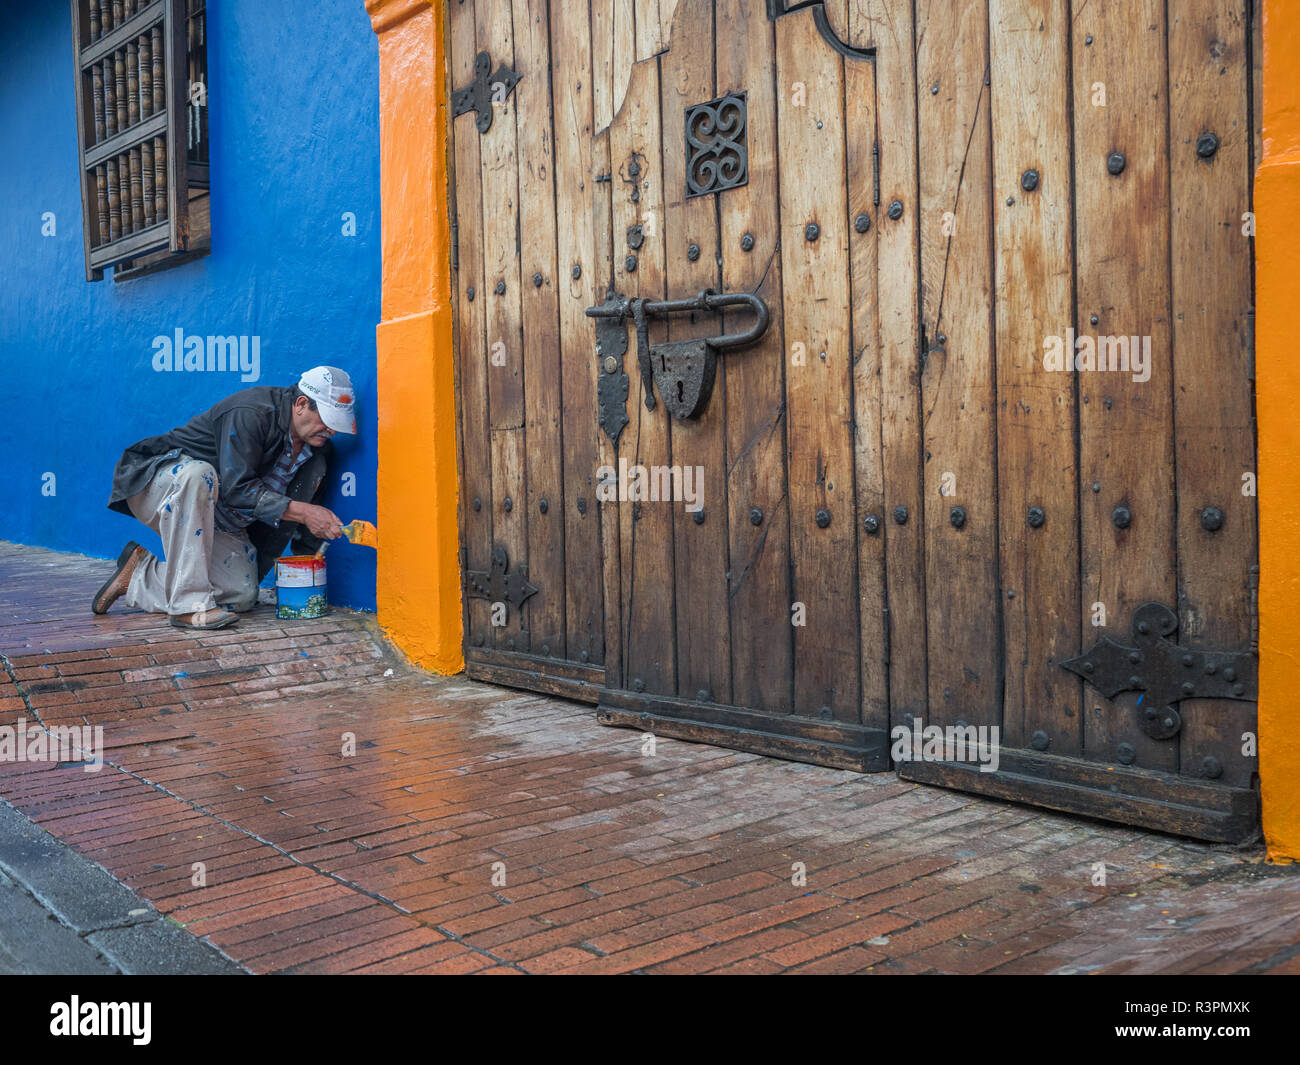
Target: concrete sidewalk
61, 914
295, 795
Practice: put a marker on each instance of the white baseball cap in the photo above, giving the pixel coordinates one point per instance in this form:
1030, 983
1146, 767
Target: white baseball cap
331, 388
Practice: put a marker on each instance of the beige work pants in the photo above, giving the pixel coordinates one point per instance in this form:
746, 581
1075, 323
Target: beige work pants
204, 567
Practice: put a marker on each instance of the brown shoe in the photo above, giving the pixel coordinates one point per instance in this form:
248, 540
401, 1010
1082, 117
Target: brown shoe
205, 619
115, 587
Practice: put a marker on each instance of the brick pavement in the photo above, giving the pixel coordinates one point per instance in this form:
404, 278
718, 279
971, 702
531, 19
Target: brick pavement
475, 829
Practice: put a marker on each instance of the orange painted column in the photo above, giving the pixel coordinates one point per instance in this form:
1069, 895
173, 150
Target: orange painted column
418, 591
1277, 385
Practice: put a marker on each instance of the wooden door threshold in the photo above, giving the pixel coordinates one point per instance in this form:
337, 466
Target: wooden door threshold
552, 676
837, 745
1181, 806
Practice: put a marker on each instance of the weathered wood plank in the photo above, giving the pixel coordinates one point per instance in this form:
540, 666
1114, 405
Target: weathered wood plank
844, 745
516, 670
609, 22
540, 282
818, 385
587, 674
502, 314
737, 738
472, 353
889, 29
90, 129
649, 31
699, 549
1209, 79
861, 140
962, 599
646, 527
607, 453
1034, 298
1112, 792
613, 36
1122, 290
510, 529
762, 639
500, 229
1256, 90
667, 10
576, 190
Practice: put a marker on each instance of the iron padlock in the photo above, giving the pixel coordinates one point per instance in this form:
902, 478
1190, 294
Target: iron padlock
684, 370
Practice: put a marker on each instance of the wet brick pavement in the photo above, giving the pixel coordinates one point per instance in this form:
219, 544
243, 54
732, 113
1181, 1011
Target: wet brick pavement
476, 829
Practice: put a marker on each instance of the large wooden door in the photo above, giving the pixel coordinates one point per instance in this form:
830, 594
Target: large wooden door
754, 613
1097, 603
522, 213
989, 470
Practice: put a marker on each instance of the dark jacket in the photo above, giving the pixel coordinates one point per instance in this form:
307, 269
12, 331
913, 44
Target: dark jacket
241, 437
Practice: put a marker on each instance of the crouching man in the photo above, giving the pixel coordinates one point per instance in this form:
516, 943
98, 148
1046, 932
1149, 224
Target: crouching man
226, 493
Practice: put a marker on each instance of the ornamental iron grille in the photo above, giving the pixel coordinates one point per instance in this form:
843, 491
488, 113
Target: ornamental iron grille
716, 155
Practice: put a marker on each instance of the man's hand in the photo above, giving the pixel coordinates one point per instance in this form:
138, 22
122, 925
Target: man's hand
320, 521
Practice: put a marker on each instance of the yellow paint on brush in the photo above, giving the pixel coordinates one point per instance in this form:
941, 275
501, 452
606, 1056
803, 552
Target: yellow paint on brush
362, 532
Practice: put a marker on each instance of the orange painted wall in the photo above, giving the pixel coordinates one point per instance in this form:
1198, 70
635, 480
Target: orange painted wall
1277, 384
418, 593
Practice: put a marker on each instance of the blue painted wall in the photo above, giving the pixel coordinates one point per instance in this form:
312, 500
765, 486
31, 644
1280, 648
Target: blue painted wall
294, 142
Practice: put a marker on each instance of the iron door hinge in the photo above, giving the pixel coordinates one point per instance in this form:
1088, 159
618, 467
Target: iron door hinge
486, 88
1162, 671
500, 584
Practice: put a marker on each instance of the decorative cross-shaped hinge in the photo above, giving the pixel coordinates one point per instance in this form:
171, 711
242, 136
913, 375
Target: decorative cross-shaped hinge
498, 585
1162, 671
483, 91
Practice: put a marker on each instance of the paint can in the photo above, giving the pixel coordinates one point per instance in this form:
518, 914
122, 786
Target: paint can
300, 587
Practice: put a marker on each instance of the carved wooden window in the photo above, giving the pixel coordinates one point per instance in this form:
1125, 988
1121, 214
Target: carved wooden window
141, 69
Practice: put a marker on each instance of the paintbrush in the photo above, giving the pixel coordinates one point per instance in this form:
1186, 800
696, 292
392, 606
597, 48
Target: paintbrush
358, 532
362, 532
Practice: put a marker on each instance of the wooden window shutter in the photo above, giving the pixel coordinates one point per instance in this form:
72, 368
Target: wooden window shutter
131, 118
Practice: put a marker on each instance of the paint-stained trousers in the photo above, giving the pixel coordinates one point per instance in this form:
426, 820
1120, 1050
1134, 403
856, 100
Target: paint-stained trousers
204, 566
